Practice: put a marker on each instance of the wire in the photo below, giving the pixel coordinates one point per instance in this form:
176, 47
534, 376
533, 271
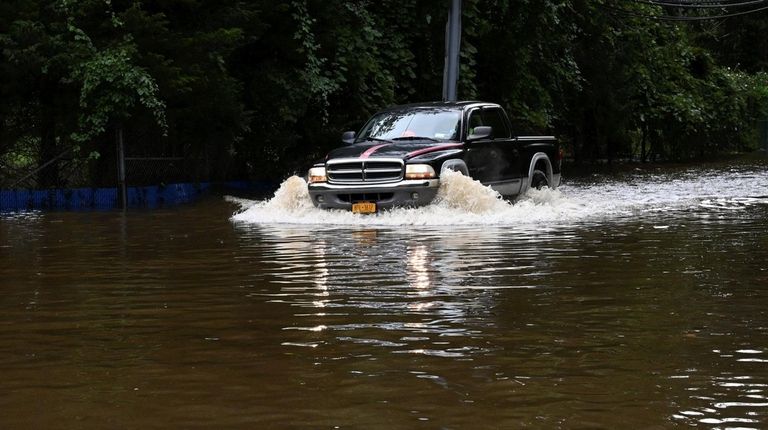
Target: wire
682, 18
700, 5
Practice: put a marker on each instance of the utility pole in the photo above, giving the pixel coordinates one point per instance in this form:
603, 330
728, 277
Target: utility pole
452, 49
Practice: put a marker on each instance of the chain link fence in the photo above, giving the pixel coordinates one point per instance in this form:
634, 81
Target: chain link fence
156, 173
763, 135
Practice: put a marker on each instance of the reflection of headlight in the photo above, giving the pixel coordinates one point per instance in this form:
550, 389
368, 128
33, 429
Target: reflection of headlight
419, 171
317, 174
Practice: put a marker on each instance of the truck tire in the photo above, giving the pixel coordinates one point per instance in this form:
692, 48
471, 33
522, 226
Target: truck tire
539, 180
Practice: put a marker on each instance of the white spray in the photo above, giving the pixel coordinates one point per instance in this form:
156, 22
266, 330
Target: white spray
463, 201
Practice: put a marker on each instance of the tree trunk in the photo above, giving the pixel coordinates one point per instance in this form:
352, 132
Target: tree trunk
103, 171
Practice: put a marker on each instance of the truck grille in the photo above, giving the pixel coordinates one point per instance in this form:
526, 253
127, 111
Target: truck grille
367, 197
355, 171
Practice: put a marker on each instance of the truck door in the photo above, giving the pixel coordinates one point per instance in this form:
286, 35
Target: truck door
494, 161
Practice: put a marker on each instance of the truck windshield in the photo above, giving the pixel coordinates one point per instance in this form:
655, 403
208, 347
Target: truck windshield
429, 124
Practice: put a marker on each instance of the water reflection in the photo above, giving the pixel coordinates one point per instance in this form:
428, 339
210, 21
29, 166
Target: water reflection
735, 398
419, 276
380, 287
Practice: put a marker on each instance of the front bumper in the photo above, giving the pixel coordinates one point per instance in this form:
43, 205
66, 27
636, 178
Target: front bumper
398, 194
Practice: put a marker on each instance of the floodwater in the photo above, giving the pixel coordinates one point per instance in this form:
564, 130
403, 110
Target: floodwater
632, 301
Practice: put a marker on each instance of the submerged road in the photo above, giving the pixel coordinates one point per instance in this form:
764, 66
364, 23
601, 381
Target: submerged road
636, 301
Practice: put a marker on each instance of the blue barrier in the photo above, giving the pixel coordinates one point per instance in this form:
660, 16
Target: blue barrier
99, 199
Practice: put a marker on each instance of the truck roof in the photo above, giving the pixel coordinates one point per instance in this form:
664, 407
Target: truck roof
446, 105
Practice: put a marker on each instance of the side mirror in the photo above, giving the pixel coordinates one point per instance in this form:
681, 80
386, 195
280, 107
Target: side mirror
348, 137
479, 133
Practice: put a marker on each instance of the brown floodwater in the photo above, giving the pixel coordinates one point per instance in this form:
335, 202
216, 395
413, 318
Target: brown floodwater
638, 301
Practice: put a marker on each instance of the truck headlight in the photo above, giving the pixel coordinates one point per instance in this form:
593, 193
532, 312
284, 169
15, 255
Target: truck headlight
317, 174
419, 171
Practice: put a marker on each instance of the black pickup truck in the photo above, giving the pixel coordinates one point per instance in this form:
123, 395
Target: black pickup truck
399, 155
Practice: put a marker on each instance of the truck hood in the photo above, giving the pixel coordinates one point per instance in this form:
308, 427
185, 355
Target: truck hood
399, 150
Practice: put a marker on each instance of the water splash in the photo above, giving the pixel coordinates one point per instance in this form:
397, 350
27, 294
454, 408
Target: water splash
466, 194
463, 201
460, 201
292, 196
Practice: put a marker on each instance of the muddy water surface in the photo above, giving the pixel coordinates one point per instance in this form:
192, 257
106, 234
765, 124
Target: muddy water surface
632, 302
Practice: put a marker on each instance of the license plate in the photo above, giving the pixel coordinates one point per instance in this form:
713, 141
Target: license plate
364, 208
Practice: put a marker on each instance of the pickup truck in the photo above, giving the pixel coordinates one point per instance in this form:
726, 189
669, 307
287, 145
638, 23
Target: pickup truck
400, 153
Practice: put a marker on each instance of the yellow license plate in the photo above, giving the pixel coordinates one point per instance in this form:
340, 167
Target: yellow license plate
364, 208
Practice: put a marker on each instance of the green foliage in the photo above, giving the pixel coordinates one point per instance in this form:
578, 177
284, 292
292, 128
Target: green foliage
111, 86
315, 76
265, 87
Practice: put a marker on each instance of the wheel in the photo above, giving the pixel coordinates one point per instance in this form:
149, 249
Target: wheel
539, 180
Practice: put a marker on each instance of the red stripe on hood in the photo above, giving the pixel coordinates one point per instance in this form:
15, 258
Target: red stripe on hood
371, 150
433, 149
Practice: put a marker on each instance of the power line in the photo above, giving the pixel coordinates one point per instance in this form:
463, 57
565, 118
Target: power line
623, 11
700, 4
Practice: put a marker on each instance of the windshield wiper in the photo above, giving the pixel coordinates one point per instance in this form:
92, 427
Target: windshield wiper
377, 139
415, 138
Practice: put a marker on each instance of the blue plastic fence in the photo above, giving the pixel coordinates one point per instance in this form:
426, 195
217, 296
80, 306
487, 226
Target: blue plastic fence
151, 197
